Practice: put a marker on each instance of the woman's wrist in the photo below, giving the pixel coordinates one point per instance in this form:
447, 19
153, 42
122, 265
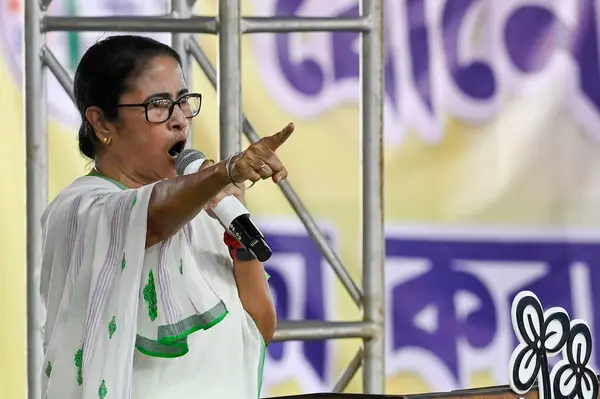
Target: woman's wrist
220, 170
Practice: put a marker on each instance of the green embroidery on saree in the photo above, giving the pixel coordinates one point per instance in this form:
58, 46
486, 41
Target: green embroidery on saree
48, 369
123, 263
134, 201
181, 266
79, 365
150, 297
112, 327
102, 391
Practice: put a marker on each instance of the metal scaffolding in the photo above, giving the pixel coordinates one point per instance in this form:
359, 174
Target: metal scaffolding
229, 25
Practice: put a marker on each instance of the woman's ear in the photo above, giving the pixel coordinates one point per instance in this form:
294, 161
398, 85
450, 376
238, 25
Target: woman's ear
97, 120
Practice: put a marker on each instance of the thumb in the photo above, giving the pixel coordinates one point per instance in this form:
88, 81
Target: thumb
207, 163
276, 140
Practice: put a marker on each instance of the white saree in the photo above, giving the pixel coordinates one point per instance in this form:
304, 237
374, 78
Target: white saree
125, 322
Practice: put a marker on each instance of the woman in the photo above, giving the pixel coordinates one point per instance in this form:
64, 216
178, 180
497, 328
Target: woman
146, 294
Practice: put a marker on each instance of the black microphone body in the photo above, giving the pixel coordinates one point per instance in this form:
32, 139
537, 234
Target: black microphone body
246, 232
230, 211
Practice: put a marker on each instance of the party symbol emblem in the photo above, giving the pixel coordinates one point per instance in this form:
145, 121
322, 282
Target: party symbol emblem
543, 334
572, 377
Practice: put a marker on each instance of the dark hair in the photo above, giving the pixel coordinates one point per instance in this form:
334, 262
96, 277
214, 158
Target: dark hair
105, 72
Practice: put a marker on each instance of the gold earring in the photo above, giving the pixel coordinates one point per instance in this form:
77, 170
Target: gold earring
107, 140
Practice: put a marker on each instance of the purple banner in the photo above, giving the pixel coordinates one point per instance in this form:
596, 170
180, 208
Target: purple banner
465, 57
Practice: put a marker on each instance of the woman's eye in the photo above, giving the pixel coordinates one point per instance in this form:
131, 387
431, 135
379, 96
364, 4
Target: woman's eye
159, 104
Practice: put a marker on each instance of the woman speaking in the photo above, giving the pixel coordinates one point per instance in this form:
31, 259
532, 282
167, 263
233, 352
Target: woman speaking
147, 295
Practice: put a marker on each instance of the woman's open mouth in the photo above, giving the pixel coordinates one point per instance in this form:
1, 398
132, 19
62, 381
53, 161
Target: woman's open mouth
176, 149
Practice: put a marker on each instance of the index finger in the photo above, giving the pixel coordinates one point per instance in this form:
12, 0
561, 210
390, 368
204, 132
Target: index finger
276, 140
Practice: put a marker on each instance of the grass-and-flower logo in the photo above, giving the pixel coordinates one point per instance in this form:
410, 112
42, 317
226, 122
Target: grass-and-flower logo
543, 334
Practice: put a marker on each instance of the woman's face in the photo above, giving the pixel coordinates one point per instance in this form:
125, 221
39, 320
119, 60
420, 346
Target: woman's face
141, 148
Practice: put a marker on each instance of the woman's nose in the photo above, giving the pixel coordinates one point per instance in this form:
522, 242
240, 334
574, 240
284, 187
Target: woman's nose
178, 119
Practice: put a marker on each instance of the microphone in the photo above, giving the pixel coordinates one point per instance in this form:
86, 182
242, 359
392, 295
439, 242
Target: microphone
230, 211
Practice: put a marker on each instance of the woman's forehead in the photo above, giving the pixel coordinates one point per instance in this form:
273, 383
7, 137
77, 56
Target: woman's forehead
160, 75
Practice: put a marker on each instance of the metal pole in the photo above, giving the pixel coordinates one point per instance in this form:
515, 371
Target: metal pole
349, 373
371, 73
159, 23
36, 154
303, 24
181, 10
230, 77
201, 24
60, 72
293, 330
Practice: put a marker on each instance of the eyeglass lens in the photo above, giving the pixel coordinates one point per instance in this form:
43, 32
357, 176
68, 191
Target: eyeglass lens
159, 110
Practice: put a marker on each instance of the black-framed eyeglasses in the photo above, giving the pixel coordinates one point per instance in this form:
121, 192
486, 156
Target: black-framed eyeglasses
159, 110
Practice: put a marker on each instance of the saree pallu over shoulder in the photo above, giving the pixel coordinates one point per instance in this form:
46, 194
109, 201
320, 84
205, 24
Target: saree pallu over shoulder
172, 304
106, 294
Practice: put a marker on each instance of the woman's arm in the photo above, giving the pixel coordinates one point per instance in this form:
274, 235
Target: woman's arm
255, 295
174, 202
250, 277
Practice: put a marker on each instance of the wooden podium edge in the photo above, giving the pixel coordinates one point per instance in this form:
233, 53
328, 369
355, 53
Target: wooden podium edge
498, 392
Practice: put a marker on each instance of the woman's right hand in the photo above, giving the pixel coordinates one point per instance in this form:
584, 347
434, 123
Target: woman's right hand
259, 161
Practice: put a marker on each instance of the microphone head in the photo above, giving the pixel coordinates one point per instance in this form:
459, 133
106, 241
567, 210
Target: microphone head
185, 158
